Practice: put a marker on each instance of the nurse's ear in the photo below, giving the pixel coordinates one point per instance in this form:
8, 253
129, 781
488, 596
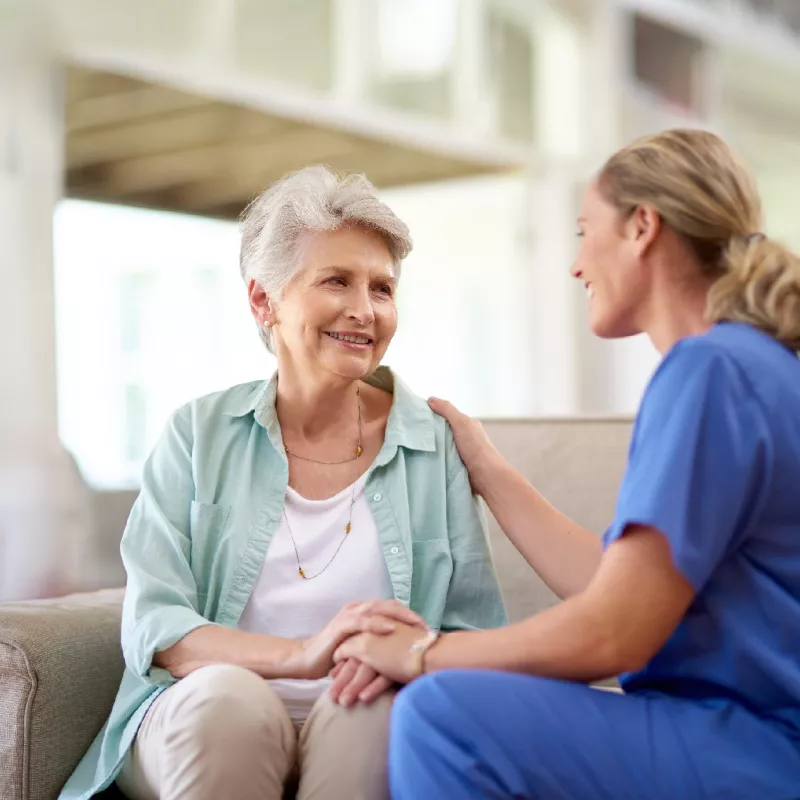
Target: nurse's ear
643, 227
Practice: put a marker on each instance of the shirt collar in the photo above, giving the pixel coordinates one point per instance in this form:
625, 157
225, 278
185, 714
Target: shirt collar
410, 423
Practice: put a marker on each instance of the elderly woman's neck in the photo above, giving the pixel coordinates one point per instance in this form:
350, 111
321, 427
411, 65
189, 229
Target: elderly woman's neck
312, 406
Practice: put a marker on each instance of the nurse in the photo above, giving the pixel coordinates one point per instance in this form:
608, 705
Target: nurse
693, 593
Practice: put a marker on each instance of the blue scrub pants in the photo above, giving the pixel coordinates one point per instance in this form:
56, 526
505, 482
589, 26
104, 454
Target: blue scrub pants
478, 734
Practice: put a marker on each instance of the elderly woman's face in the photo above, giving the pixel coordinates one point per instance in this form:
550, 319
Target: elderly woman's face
339, 312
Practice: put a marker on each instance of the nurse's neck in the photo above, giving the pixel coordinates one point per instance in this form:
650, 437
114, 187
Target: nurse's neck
675, 308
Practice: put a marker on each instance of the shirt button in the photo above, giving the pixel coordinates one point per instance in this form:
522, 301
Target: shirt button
394, 551
377, 498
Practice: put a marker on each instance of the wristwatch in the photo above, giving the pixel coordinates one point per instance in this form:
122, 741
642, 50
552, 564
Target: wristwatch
418, 650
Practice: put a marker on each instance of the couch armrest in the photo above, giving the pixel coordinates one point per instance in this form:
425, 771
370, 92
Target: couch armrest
60, 668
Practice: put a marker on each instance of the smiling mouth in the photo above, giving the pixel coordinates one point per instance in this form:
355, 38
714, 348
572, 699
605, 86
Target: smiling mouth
351, 339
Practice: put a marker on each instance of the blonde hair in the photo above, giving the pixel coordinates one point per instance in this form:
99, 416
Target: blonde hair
704, 192
313, 199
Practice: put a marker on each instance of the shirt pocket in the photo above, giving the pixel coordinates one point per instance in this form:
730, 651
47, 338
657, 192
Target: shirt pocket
431, 571
207, 523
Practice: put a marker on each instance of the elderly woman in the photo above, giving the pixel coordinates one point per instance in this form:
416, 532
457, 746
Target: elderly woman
276, 517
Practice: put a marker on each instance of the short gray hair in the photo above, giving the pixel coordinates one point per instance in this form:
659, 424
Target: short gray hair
313, 199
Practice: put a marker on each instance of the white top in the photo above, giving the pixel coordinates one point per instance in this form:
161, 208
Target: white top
284, 604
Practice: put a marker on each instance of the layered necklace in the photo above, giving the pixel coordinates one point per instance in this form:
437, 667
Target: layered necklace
358, 451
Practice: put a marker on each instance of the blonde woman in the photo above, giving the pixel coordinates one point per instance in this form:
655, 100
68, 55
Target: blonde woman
274, 516
693, 594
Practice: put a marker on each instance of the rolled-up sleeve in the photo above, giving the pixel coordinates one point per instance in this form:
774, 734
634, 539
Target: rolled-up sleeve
161, 604
474, 600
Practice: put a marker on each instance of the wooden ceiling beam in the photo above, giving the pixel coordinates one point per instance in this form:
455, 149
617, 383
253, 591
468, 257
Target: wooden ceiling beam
179, 129
173, 132
148, 145
80, 84
250, 173
102, 111
233, 164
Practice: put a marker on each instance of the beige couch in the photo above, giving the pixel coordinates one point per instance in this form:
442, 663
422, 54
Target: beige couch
60, 660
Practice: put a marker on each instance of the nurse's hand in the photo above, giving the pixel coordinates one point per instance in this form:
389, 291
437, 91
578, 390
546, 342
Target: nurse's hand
356, 682
390, 654
477, 452
313, 658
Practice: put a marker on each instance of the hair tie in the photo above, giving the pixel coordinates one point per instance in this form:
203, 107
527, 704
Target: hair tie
754, 238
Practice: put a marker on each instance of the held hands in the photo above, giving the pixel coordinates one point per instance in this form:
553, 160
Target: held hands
474, 446
314, 657
387, 654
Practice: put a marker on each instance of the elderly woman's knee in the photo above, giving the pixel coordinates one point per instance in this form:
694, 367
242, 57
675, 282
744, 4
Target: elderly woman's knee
331, 719
223, 700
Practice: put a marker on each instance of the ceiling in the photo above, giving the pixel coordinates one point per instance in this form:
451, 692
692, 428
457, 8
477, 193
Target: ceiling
139, 143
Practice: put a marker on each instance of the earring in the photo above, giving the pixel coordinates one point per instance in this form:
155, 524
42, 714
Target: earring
267, 324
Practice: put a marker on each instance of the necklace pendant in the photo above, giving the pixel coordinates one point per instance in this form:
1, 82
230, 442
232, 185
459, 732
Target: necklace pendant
359, 451
302, 574
347, 529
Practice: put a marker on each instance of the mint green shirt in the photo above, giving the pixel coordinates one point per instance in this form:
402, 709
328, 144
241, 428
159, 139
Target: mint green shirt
211, 498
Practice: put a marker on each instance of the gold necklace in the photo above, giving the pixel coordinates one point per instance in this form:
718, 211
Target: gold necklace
300, 570
359, 447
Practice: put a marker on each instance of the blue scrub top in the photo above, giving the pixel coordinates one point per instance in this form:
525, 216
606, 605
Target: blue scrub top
714, 465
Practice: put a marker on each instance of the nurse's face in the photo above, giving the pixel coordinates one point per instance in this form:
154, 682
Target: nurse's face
609, 264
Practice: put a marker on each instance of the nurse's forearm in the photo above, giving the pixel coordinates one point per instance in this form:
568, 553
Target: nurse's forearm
563, 554
268, 656
567, 642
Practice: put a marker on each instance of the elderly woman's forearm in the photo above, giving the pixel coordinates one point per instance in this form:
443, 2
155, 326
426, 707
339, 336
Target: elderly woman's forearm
268, 656
564, 554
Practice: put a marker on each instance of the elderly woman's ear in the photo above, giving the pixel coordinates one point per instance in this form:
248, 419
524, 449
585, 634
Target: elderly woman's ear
262, 306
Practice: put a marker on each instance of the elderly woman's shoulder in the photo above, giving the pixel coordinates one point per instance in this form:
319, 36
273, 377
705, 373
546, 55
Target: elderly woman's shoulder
445, 441
216, 407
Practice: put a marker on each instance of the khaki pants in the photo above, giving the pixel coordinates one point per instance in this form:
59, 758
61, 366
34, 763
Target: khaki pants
223, 732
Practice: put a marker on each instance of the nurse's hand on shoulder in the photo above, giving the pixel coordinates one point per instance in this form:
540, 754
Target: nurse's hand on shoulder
474, 446
314, 657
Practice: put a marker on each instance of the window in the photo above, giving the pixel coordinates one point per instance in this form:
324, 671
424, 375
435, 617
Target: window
413, 54
667, 63
511, 75
151, 313
287, 41
136, 292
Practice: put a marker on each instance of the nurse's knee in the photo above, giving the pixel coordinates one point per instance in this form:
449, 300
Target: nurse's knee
424, 704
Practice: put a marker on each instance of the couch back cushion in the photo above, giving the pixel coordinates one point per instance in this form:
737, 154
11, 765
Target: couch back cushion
577, 464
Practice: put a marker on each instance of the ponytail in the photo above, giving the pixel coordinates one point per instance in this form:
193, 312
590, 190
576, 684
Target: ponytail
759, 285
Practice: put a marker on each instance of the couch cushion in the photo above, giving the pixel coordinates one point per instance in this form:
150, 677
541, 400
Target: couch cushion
577, 464
47, 718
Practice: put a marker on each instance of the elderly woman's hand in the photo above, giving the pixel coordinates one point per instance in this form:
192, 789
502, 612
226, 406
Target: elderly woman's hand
474, 446
356, 682
314, 658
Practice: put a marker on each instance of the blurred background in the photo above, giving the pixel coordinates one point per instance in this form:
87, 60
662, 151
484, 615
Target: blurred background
132, 134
